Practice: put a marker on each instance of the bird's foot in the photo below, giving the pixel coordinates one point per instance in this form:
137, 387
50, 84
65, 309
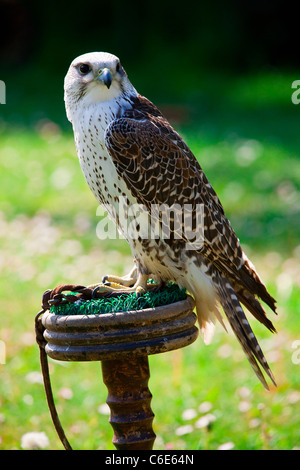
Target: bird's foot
127, 281
124, 286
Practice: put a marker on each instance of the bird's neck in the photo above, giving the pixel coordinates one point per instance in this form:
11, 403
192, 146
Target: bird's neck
113, 108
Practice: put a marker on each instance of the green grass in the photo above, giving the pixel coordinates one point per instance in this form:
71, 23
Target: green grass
246, 139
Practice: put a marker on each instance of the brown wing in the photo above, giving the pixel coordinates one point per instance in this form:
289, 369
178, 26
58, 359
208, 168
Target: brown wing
159, 168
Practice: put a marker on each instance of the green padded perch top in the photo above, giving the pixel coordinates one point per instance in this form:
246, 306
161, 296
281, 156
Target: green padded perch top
125, 302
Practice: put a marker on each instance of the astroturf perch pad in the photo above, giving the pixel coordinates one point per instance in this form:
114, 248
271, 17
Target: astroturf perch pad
126, 302
120, 332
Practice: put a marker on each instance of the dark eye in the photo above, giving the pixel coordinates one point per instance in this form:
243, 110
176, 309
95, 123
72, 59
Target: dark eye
84, 69
118, 67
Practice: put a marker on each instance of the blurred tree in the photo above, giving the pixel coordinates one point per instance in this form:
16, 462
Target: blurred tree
229, 35
196, 45
17, 31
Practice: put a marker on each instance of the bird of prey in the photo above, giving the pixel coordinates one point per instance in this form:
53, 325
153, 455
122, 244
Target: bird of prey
128, 151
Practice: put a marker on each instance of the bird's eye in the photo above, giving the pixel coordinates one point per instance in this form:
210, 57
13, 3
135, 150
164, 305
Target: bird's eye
84, 69
118, 67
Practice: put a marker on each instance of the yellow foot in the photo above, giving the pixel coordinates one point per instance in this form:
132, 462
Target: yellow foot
127, 281
115, 288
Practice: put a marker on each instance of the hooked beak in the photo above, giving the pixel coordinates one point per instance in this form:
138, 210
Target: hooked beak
105, 77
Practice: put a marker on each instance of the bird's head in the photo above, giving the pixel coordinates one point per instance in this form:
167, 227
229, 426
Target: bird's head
92, 78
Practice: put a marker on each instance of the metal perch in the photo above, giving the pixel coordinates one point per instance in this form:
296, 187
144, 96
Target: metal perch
122, 342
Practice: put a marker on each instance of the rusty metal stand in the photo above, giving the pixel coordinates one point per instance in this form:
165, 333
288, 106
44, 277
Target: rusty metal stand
129, 401
122, 342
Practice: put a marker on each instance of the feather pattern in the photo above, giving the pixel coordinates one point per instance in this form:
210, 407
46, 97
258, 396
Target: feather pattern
158, 167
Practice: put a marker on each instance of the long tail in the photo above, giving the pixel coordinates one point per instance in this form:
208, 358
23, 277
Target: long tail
242, 329
253, 305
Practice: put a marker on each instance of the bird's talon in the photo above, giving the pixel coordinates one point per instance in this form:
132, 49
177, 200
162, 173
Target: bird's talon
95, 290
139, 291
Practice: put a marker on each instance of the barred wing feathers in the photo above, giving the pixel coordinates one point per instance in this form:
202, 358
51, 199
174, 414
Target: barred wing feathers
159, 168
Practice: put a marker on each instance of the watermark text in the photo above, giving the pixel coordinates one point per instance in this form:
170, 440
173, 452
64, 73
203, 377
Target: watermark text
2, 352
2, 92
159, 221
296, 94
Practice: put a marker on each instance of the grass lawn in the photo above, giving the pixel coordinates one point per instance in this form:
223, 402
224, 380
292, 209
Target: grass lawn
204, 397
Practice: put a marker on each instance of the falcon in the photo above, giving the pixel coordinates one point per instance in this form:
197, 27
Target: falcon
129, 152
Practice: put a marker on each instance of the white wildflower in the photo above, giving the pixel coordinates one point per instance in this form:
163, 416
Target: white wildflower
34, 377
182, 430
66, 393
34, 441
226, 446
205, 407
205, 421
103, 409
189, 413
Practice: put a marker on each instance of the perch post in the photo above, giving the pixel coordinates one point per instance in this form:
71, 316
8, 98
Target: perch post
122, 342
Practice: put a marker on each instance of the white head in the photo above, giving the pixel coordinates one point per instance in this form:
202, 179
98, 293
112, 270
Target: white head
92, 78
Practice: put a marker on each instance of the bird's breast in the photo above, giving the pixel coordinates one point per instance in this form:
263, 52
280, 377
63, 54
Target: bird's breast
97, 165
